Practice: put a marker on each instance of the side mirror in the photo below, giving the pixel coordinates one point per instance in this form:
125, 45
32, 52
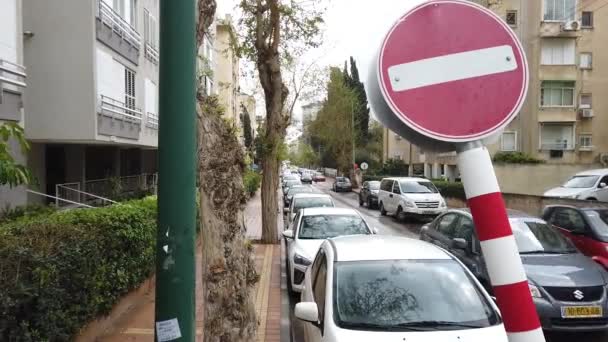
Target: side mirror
459, 243
307, 311
375, 230
288, 234
603, 185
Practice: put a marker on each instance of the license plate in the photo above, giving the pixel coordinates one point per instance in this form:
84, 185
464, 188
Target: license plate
581, 311
429, 212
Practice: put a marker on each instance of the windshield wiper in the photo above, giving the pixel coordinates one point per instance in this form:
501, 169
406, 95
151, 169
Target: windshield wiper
548, 252
380, 327
437, 324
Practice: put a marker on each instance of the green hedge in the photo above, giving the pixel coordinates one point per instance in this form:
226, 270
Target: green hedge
251, 181
60, 271
515, 158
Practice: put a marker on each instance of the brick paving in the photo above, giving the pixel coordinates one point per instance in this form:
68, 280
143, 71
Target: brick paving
138, 326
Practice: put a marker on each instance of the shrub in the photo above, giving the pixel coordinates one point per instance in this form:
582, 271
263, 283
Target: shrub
251, 181
515, 158
62, 270
450, 189
11, 214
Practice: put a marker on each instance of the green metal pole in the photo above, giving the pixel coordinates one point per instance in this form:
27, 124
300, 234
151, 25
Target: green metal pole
175, 268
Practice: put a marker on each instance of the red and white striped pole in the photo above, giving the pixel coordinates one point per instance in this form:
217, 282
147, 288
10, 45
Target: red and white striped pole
500, 252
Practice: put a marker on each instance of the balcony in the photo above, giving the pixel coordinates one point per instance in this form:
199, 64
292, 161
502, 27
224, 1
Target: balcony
558, 29
557, 146
12, 80
152, 120
117, 119
115, 32
151, 53
557, 114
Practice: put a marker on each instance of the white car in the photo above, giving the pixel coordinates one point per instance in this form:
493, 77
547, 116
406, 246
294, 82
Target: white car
389, 288
310, 227
409, 196
307, 200
587, 185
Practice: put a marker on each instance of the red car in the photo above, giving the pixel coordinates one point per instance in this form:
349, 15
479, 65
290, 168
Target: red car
318, 177
587, 228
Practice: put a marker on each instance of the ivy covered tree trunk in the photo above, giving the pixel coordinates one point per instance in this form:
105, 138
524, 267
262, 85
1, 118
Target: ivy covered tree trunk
228, 267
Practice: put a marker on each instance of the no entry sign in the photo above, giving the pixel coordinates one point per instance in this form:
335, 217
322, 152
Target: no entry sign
452, 71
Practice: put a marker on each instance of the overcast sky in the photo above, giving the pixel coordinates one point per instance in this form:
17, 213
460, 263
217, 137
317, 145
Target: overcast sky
352, 28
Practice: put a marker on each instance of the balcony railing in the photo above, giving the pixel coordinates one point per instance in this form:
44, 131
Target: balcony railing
559, 146
152, 120
120, 110
109, 17
151, 53
13, 74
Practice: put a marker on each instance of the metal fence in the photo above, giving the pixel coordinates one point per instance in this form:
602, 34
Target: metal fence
112, 19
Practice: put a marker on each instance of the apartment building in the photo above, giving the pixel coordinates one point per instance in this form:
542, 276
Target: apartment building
227, 69
13, 81
92, 98
247, 106
565, 116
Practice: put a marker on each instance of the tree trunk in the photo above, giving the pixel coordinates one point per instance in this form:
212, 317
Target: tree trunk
228, 268
270, 167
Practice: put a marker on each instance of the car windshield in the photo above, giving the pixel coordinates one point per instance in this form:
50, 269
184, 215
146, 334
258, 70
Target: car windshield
400, 294
342, 180
599, 222
299, 190
291, 177
418, 187
311, 202
292, 183
537, 237
328, 226
581, 182
374, 185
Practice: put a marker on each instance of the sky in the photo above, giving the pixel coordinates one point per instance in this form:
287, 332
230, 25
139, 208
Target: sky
352, 28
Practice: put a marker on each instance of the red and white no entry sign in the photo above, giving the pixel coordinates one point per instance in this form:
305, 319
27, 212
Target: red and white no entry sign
452, 71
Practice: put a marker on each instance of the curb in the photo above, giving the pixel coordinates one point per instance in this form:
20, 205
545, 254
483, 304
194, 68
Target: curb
286, 333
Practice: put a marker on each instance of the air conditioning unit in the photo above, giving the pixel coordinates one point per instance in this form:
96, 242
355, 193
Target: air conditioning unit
571, 25
604, 159
586, 113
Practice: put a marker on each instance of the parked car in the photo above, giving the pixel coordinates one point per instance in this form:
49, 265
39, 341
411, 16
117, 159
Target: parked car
390, 288
587, 228
305, 200
369, 194
289, 184
410, 196
306, 178
296, 189
587, 185
342, 184
569, 289
318, 177
308, 230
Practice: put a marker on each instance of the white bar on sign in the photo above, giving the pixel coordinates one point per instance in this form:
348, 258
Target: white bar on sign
454, 67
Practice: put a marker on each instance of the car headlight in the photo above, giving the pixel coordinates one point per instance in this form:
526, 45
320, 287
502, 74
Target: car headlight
409, 204
442, 204
300, 260
534, 291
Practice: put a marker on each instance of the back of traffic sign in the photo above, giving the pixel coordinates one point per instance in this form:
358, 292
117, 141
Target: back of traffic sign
448, 72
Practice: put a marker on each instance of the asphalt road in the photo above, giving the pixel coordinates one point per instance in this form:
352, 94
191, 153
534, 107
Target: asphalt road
389, 226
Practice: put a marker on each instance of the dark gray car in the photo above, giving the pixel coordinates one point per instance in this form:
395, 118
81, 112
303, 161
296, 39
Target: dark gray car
569, 289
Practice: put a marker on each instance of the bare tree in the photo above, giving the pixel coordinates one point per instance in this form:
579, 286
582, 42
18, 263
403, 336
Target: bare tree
270, 31
228, 268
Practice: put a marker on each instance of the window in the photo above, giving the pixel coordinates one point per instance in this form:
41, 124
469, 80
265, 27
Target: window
464, 229
418, 187
397, 156
557, 94
585, 101
508, 141
396, 189
127, 9
568, 219
587, 19
329, 226
386, 185
585, 142
129, 88
511, 18
534, 237
556, 136
559, 10
557, 51
150, 29
319, 285
585, 61
446, 225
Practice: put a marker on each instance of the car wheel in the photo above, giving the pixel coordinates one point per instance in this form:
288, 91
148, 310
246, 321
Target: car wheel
399, 214
591, 199
290, 290
382, 211
360, 201
369, 203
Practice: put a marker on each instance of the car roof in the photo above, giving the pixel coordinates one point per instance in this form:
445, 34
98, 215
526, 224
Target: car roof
329, 211
512, 214
596, 172
586, 208
310, 195
406, 179
384, 247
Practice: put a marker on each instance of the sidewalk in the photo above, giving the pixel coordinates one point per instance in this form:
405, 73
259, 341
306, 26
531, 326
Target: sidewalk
136, 321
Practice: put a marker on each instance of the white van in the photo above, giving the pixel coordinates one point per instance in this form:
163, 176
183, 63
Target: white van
410, 196
588, 185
